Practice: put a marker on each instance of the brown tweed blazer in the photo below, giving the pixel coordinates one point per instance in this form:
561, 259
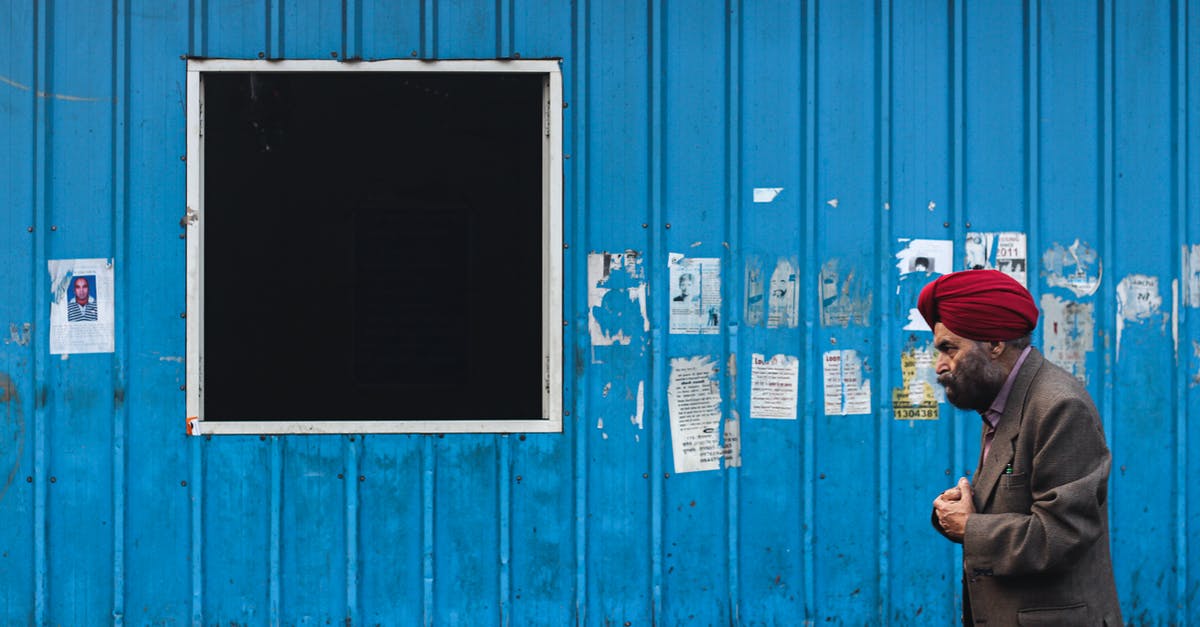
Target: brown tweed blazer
1036, 551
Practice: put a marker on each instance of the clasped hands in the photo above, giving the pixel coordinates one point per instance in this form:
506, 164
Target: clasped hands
952, 509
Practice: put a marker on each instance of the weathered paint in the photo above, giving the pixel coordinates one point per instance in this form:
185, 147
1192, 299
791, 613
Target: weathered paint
1068, 328
1070, 121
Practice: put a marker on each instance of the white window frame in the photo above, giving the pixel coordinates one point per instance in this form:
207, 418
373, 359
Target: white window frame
552, 266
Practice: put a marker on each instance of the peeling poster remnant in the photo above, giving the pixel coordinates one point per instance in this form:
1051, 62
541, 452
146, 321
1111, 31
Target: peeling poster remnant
766, 194
774, 387
1190, 269
81, 306
695, 295
732, 449
917, 262
1076, 267
844, 301
846, 392
694, 405
616, 298
1068, 328
920, 393
754, 292
784, 305
1138, 300
1003, 251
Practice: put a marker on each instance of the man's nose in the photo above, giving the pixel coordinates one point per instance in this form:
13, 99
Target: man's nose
942, 365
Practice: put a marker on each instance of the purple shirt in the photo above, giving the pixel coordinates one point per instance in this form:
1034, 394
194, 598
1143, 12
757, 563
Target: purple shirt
992, 415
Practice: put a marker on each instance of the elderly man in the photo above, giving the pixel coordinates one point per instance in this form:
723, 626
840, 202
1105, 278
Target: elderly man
1033, 521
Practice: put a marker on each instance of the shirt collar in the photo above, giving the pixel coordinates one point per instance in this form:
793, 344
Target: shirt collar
993, 413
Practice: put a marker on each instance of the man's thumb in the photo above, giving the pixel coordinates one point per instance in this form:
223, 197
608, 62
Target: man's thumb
964, 485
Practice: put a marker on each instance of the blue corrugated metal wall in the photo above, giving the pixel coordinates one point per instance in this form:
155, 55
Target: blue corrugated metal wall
1065, 120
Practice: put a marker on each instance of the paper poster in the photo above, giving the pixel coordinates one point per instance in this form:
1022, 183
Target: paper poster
1189, 262
783, 308
774, 387
1003, 251
694, 405
846, 392
754, 292
844, 299
732, 450
920, 393
616, 298
81, 306
695, 295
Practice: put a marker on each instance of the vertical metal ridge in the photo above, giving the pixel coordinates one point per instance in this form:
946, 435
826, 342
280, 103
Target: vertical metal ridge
275, 540
429, 24
883, 172
504, 29
504, 521
811, 363
351, 512
275, 42
428, 468
957, 80
733, 231
655, 258
41, 201
196, 505
1179, 123
1107, 17
1033, 108
581, 183
351, 29
657, 157
198, 28
120, 205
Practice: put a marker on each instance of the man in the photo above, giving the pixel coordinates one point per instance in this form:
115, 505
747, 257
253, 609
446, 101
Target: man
83, 308
1033, 522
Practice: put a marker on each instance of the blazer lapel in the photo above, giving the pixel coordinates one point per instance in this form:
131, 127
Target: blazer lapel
987, 477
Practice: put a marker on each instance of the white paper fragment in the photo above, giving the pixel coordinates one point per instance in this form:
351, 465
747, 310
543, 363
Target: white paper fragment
616, 298
641, 405
732, 449
916, 322
1138, 300
774, 388
1190, 270
755, 302
766, 194
81, 306
694, 406
695, 295
925, 256
1068, 329
1076, 267
783, 309
846, 392
832, 202
932, 205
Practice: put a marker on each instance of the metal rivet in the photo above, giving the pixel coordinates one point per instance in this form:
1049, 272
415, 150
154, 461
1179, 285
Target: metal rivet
567, 413
567, 156
183, 315
644, 225
362, 478
183, 483
182, 387
54, 228
341, 476
564, 323
30, 229
566, 246
183, 157
28, 479
516, 55
946, 224
668, 225
645, 475
414, 53
564, 104
333, 54
518, 478
53, 479
968, 225
522, 437
822, 475
262, 55
666, 475
262, 438
183, 236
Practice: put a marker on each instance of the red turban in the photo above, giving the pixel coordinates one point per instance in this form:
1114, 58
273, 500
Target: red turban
980, 305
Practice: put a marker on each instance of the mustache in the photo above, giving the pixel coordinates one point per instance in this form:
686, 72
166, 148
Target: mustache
946, 378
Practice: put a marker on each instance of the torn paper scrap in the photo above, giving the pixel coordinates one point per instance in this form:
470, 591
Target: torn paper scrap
846, 392
766, 194
694, 406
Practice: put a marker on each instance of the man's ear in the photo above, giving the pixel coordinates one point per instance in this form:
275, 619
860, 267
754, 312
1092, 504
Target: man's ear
998, 348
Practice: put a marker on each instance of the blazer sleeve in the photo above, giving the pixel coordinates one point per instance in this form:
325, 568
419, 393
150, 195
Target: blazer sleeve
1067, 493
